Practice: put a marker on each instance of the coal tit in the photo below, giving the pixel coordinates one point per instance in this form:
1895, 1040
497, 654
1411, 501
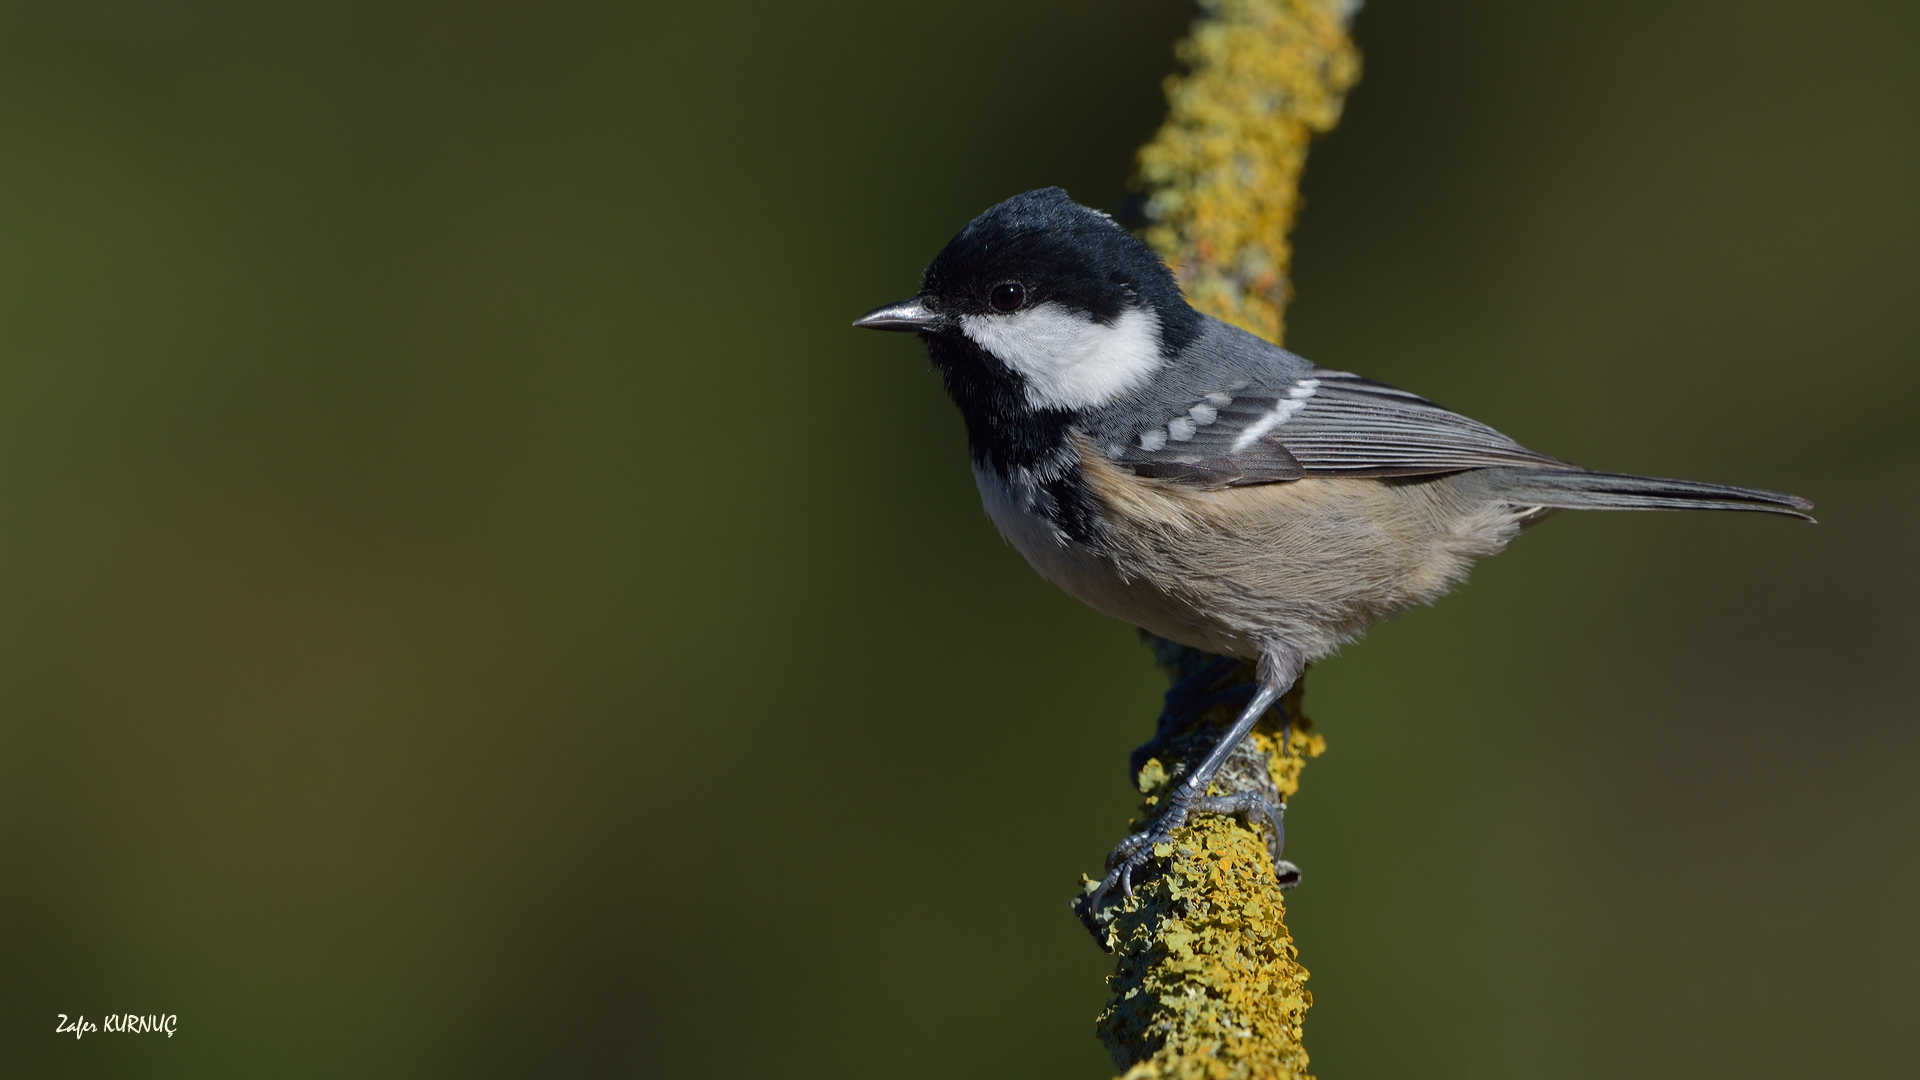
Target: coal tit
1206, 485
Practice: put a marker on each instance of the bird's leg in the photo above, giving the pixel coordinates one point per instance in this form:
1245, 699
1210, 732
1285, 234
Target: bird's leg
1186, 700
1190, 797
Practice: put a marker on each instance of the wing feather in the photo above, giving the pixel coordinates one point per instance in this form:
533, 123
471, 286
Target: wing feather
1287, 421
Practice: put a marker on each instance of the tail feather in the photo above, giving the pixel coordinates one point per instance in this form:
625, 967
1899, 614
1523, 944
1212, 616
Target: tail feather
1573, 489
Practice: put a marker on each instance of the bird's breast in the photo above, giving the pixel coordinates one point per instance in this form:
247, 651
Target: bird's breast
1094, 577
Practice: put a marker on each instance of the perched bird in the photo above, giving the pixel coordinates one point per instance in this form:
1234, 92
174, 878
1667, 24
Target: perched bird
1185, 476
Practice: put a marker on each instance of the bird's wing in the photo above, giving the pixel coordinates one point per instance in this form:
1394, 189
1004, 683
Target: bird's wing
1310, 421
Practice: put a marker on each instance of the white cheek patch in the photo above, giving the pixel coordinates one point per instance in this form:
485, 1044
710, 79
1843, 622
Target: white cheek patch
1068, 360
1282, 411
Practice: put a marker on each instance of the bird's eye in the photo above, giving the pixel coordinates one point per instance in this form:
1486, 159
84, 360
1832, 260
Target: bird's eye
1007, 296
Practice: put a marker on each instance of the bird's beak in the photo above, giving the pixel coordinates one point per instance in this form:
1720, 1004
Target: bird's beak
906, 315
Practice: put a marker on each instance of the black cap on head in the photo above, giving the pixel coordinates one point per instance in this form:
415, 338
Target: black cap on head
1059, 252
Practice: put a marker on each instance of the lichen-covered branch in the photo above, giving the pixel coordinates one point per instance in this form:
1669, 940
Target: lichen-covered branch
1208, 983
1222, 176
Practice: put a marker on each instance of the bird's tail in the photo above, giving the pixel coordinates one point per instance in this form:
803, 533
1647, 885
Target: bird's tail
1575, 489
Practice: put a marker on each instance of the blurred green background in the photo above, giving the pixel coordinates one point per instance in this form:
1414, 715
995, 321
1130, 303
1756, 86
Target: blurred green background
470, 606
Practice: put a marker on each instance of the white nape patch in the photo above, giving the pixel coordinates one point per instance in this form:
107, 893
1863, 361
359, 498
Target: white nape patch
1068, 360
1204, 414
1153, 440
1180, 430
1281, 412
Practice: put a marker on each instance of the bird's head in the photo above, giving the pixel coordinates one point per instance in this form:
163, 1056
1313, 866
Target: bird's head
1057, 297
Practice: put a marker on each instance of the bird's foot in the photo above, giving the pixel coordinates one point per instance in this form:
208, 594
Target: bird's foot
1137, 850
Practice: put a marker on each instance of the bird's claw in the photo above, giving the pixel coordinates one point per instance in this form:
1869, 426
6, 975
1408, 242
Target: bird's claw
1134, 852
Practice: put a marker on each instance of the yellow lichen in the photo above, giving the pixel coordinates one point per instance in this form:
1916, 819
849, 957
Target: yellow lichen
1222, 175
1208, 982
